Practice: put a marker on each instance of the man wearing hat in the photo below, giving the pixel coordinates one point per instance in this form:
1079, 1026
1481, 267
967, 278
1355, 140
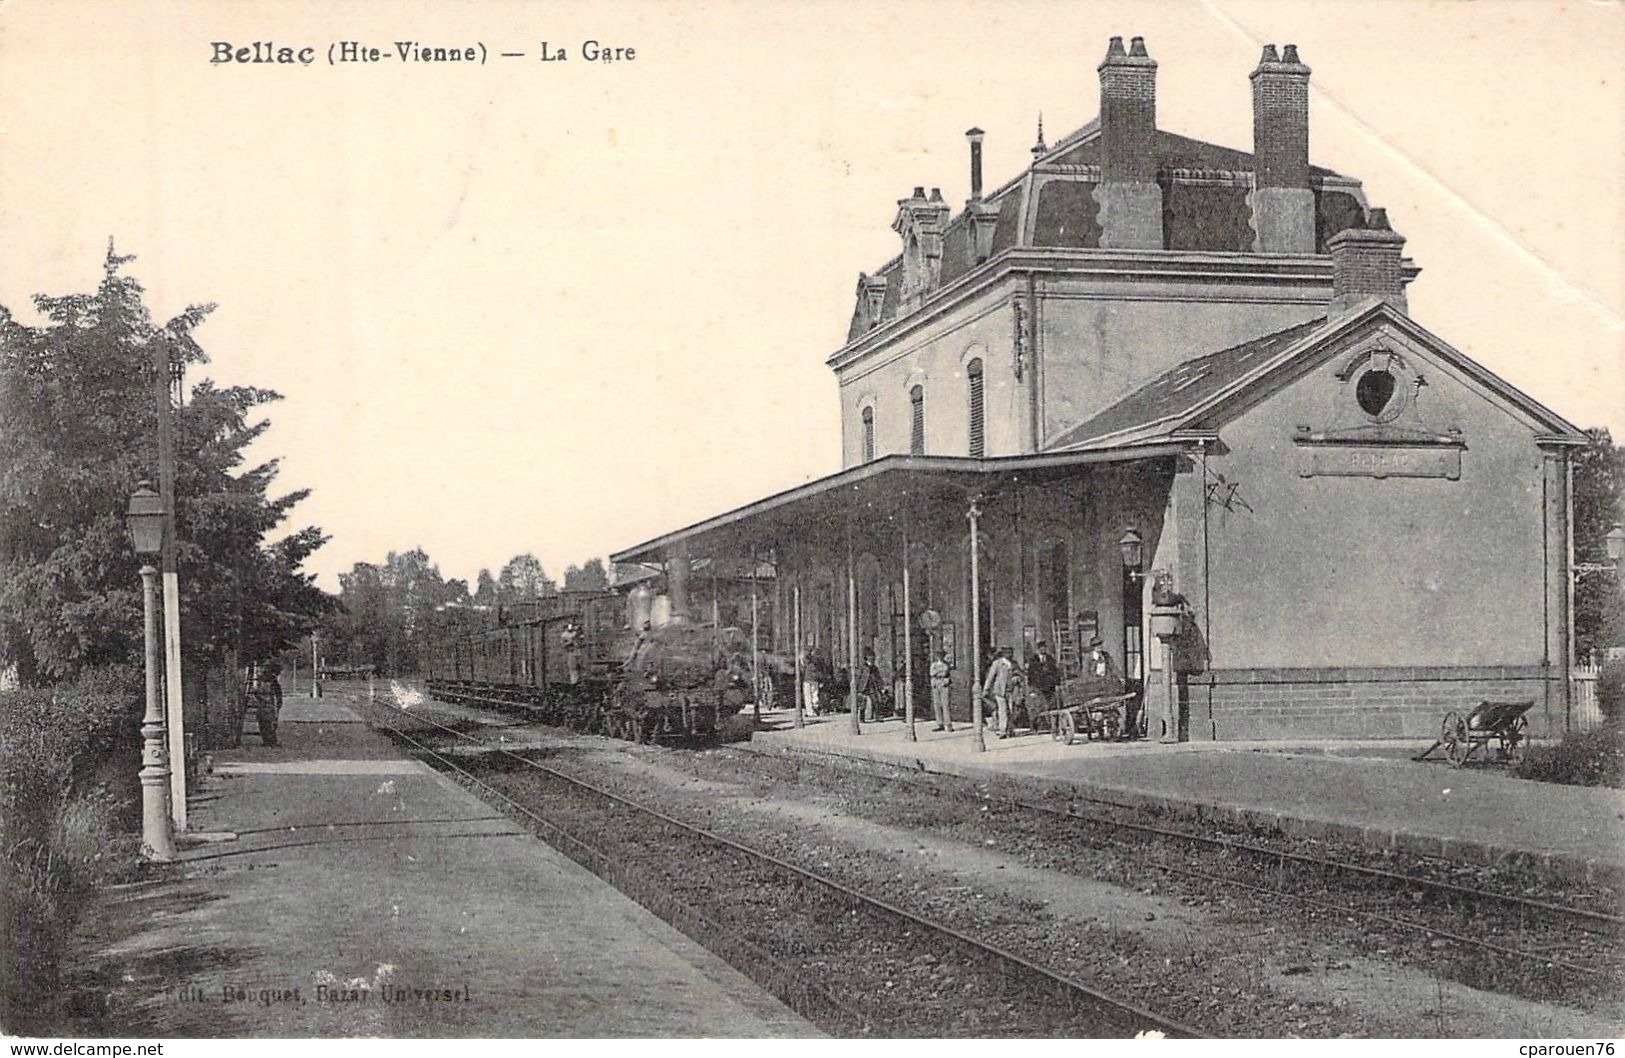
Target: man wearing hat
1101, 675
1000, 675
1043, 676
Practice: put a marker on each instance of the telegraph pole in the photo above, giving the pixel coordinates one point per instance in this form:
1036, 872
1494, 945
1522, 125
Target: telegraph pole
171, 583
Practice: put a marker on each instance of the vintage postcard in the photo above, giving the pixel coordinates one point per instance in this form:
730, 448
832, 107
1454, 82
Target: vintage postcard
818, 519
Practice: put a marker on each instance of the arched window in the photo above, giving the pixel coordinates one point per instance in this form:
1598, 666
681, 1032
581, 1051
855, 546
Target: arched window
973, 371
868, 434
916, 432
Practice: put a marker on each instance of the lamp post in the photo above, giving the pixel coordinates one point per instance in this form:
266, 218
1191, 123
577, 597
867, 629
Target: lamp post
1615, 544
146, 523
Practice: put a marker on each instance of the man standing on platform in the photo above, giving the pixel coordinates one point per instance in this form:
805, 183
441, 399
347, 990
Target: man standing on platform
939, 692
814, 671
1043, 676
999, 677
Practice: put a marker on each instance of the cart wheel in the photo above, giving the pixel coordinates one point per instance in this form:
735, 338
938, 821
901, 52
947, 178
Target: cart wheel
1453, 736
1066, 728
1514, 742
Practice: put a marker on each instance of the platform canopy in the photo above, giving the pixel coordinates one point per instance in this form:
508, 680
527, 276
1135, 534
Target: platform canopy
884, 491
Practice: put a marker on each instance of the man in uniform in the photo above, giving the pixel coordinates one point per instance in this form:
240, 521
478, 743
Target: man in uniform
939, 692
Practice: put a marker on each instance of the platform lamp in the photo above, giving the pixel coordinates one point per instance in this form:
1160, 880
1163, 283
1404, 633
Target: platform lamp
145, 519
1133, 549
1614, 543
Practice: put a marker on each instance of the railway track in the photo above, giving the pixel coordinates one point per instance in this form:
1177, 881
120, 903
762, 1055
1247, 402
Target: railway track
1015, 996
1386, 895
1501, 940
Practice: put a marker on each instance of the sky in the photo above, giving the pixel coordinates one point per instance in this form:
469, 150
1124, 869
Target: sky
564, 307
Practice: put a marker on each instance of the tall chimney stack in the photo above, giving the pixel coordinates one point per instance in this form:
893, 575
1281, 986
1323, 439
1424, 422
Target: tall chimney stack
1283, 203
974, 135
1367, 262
1130, 199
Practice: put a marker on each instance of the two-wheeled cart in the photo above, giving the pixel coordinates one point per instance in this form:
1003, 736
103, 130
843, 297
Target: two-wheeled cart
1463, 736
1094, 718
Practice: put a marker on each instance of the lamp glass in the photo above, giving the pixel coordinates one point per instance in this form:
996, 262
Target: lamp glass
145, 519
1615, 541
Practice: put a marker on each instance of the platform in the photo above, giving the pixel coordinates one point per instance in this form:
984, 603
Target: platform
1370, 793
367, 895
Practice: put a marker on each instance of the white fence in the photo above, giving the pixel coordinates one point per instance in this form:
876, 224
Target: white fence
1584, 715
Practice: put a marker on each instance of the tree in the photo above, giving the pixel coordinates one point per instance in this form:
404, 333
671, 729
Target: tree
523, 579
590, 577
1599, 488
77, 434
485, 589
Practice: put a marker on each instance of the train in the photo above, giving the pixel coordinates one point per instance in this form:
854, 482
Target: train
591, 661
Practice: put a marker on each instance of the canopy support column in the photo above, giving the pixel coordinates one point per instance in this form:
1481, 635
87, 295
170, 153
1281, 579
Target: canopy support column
908, 646
852, 634
800, 651
974, 515
755, 657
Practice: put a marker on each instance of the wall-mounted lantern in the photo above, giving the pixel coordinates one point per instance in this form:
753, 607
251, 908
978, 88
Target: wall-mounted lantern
1133, 549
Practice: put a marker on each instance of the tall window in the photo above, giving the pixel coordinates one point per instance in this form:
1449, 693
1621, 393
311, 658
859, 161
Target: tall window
868, 434
916, 433
977, 441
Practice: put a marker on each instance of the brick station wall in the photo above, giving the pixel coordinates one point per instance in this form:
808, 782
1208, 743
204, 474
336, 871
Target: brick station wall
1243, 704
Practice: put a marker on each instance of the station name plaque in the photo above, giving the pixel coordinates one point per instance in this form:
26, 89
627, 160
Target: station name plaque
1379, 461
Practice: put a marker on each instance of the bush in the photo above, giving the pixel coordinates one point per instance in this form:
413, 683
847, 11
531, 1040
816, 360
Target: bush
1611, 691
60, 830
1585, 758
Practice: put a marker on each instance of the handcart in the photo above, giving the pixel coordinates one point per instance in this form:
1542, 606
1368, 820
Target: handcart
1096, 718
1461, 737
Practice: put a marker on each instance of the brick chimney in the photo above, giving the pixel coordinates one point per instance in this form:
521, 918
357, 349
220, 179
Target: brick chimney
1367, 262
1130, 199
920, 222
984, 217
1283, 204
974, 136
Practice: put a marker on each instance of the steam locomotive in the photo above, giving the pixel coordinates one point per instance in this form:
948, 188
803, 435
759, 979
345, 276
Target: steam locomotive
576, 660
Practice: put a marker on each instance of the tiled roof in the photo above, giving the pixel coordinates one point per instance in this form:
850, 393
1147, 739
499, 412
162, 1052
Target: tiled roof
1182, 389
1173, 151
1205, 207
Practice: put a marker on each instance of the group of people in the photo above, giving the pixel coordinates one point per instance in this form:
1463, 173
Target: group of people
1009, 687
817, 674
1032, 689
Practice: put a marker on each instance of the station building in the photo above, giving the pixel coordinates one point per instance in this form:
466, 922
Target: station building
1154, 375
